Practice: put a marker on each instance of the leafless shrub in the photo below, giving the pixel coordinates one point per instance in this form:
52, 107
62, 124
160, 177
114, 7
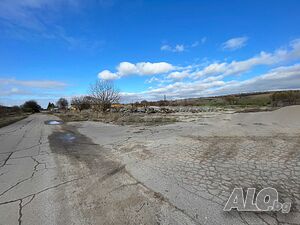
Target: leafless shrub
62, 103
103, 95
81, 103
285, 98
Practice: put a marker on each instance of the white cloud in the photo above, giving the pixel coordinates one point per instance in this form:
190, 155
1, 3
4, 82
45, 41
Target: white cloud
235, 43
152, 79
181, 47
238, 67
281, 78
212, 78
178, 75
147, 68
166, 48
12, 91
213, 68
126, 68
203, 80
141, 68
47, 84
176, 48
107, 75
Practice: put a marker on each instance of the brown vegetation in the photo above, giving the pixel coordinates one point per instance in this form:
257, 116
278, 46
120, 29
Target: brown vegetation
117, 118
9, 115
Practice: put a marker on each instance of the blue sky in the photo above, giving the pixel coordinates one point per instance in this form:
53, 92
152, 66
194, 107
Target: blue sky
52, 49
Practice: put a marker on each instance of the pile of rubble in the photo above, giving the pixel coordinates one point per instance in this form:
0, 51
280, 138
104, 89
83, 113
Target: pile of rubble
166, 109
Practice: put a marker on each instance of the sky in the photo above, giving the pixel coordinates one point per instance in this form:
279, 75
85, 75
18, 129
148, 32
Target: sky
148, 48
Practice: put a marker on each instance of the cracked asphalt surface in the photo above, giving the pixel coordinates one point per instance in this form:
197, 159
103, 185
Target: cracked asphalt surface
182, 173
195, 164
52, 174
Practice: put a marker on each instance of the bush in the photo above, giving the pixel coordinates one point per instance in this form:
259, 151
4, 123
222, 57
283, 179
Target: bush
62, 103
81, 103
285, 98
31, 106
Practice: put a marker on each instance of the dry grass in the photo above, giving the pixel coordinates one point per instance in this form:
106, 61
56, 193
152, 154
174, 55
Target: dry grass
8, 119
118, 118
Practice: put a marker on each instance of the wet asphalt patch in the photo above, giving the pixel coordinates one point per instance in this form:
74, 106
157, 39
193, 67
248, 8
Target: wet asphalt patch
67, 137
80, 149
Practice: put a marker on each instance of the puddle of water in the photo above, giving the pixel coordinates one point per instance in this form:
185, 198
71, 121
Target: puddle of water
54, 122
68, 137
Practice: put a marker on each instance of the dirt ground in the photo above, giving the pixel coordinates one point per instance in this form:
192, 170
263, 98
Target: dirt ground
195, 164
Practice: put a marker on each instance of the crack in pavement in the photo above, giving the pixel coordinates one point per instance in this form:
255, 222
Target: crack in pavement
20, 212
6, 160
102, 179
23, 180
41, 191
157, 195
21, 208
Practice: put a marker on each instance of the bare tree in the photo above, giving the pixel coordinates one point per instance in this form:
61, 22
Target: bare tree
80, 103
62, 103
103, 95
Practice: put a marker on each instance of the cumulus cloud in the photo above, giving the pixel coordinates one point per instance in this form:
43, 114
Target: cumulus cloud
127, 68
141, 68
147, 68
281, 78
107, 75
213, 68
206, 80
264, 58
235, 43
178, 75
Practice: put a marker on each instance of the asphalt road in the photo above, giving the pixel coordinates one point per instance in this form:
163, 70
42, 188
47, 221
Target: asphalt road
181, 173
51, 174
29, 183
196, 163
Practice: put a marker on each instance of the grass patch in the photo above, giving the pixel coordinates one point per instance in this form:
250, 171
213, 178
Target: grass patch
6, 120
